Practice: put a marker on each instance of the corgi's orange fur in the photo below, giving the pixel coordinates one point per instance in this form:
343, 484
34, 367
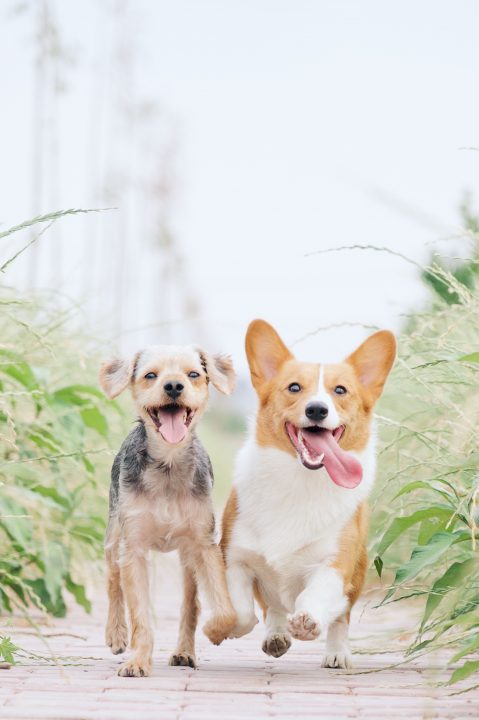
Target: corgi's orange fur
295, 525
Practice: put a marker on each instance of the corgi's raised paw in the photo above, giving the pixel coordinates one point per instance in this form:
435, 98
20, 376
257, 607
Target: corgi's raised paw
303, 626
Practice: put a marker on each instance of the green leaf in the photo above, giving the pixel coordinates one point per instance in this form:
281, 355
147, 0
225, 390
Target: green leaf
17, 527
39, 589
7, 649
454, 576
424, 555
78, 592
469, 667
472, 357
68, 396
469, 648
5, 603
429, 527
95, 420
378, 564
64, 503
415, 485
87, 390
43, 438
18, 369
401, 524
74, 395
55, 565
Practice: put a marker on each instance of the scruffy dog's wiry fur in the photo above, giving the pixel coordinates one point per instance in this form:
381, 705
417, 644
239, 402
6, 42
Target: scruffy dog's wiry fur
160, 498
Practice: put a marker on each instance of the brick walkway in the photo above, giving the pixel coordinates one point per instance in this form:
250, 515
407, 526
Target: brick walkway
235, 680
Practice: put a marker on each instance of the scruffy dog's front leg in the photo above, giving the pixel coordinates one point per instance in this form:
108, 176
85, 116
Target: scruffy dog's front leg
134, 580
116, 633
190, 610
211, 566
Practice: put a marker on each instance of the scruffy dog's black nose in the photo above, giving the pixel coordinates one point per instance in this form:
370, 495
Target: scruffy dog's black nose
316, 411
173, 389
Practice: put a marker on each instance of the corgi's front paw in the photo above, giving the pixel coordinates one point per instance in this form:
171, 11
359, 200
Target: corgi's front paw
243, 626
303, 626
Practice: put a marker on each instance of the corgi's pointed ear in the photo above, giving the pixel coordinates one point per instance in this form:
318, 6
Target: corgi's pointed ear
372, 362
116, 374
219, 369
266, 352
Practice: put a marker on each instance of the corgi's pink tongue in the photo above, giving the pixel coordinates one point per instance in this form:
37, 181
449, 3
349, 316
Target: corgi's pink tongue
342, 467
173, 427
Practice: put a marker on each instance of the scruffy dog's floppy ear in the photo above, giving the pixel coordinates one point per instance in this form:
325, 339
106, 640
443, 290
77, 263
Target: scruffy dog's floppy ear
219, 369
116, 374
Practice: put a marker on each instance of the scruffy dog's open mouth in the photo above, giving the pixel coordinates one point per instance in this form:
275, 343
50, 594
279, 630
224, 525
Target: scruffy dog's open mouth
171, 421
318, 447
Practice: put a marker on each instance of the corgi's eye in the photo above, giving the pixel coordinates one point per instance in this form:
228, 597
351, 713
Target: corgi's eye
340, 390
193, 374
150, 376
294, 387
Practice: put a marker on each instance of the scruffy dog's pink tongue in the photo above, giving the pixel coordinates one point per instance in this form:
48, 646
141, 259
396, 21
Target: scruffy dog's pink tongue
343, 468
173, 427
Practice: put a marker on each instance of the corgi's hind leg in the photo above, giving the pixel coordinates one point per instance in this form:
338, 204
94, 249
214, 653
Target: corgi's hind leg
338, 653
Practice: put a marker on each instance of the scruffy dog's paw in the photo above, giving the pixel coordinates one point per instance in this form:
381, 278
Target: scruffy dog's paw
219, 628
117, 638
243, 626
182, 659
303, 626
277, 644
135, 668
341, 660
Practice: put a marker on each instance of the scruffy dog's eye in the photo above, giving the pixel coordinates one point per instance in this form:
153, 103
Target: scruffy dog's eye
340, 390
294, 387
150, 376
193, 374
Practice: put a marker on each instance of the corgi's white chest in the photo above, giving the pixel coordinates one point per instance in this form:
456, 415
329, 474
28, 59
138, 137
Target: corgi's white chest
286, 510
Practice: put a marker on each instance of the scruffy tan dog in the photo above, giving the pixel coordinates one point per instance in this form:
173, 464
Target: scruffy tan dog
160, 498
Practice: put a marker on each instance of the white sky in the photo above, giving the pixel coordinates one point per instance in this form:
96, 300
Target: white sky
300, 126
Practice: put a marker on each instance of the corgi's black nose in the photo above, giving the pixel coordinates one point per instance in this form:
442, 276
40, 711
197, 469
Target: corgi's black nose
173, 389
316, 411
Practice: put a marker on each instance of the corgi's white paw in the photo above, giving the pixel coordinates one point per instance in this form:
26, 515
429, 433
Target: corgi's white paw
340, 660
303, 626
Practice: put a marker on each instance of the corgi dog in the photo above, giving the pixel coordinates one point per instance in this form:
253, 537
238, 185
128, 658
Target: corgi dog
295, 524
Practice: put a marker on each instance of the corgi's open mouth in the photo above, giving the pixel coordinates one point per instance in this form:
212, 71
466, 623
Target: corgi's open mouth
318, 447
171, 421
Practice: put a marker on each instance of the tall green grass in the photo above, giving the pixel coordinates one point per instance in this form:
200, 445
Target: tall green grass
426, 511
54, 455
